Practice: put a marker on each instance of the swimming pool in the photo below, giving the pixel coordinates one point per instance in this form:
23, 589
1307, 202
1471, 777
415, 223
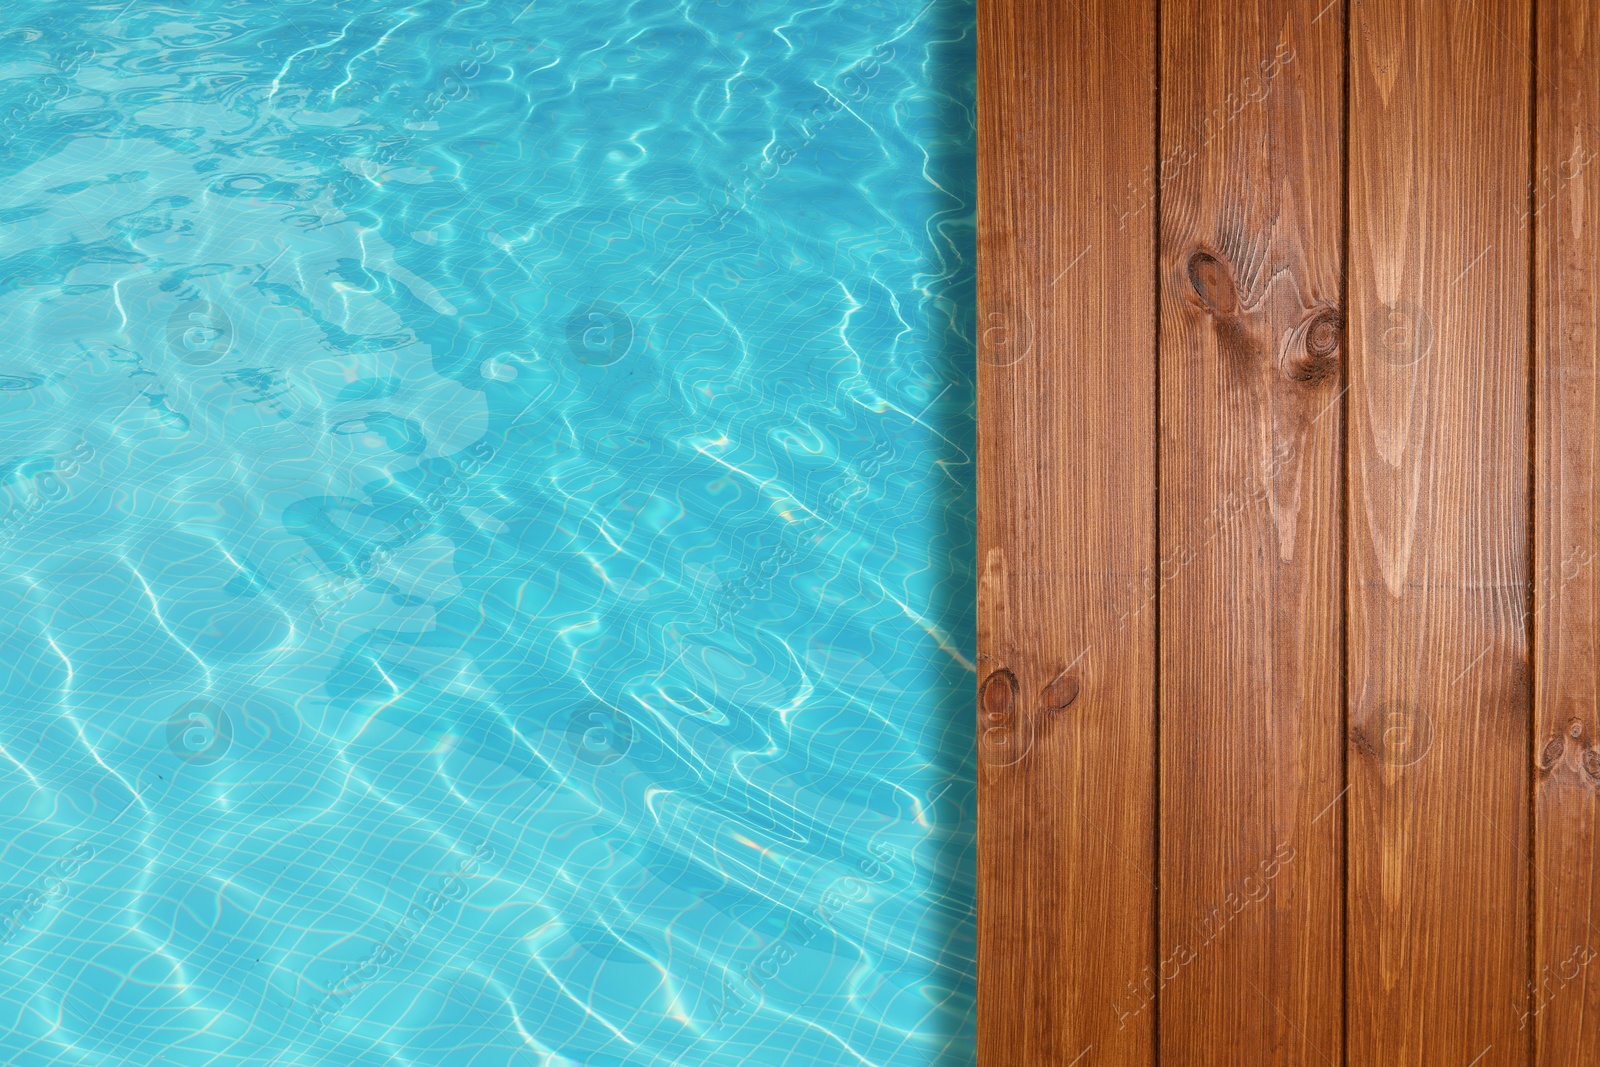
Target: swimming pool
486, 576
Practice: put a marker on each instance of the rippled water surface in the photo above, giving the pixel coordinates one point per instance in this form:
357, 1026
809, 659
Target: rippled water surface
485, 571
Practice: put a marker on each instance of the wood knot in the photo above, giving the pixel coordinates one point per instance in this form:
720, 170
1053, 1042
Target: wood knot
999, 694
1591, 764
1316, 356
1001, 742
1061, 693
1551, 753
1213, 283
1322, 337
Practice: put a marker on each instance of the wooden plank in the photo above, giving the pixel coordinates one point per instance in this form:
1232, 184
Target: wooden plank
1564, 1001
1066, 530
1252, 100
1438, 540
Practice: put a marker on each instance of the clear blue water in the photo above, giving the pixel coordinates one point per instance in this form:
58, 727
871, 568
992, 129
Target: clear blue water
486, 571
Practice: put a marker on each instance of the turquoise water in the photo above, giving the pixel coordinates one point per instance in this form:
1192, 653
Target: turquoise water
486, 573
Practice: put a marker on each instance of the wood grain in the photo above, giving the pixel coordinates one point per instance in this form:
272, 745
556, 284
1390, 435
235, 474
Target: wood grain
1438, 552
1252, 100
1066, 531
1564, 998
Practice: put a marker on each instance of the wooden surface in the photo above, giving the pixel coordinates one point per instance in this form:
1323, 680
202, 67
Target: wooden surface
1439, 694
1289, 609
1252, 99
1564, 1006
1066, 505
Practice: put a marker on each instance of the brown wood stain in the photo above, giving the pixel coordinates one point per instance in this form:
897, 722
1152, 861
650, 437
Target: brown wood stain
1289, 494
